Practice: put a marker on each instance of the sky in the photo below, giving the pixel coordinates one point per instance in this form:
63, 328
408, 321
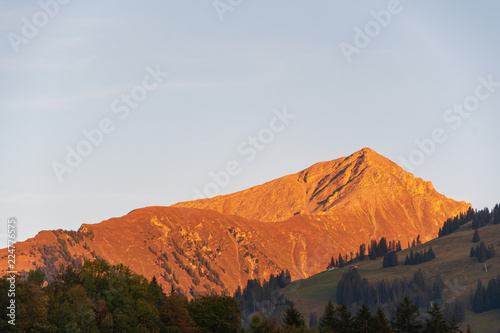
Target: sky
109, 106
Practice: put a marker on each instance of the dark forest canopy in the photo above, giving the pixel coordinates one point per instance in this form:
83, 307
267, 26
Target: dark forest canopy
101, 297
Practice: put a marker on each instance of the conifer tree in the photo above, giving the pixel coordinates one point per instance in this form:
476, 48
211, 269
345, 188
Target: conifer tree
437, 323
418, 279
382, 247
496, 214
362, 250
394, 259
437, 286
412, 258
481, 252
390, 259
345, 319
431, 254
341, 261
476, 237
362, 319
313, 319
293, 318
329, 319
453, 326
379, 322
405, 317
372, 250
478, 300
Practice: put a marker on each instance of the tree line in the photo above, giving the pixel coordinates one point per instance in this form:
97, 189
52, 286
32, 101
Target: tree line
352, 290
488, 298
479, 219
375, 250
263, 298
482, 252
419, 257
100, 297
406, 317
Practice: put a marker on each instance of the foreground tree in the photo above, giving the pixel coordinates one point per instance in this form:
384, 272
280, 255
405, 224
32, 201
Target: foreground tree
36, 277
379, 322
362, 320
174, 313
218, 314
437, 323
453, 326
405, 317
293, 318
329, 319
260, 324
345, 319
313, 320
32, 308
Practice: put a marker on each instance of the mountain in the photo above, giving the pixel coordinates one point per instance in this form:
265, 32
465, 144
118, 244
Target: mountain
296, 223
365, 191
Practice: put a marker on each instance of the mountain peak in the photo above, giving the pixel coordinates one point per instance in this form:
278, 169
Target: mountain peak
364, 180
371, 156
366, 151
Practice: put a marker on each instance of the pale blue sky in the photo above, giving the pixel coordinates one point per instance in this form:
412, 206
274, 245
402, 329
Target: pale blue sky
225, 79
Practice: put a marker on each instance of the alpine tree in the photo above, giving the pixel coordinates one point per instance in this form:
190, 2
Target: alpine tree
345, 319
382, 247
362, 250
372, 250
475, 237
453, 326
313, 319
496, 214
362, 319
155, 292
293, 318
329, 319
437, 323
390, 259
380, 323
404, 318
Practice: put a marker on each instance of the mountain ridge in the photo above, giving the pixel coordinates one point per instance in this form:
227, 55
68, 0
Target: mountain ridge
303, 193
296, 223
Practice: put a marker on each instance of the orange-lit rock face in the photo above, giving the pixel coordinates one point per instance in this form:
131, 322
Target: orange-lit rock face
297, 222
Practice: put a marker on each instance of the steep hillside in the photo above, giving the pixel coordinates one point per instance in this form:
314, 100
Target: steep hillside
459, 272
